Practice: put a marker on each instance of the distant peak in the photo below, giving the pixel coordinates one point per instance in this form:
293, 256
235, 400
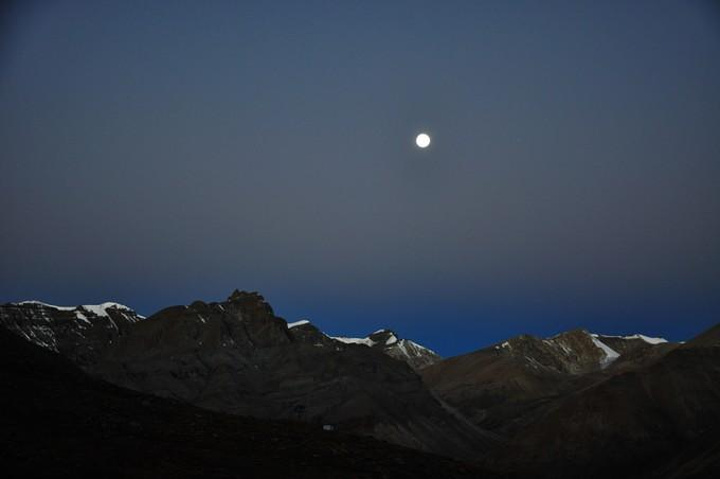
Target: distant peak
243, 296
250, 301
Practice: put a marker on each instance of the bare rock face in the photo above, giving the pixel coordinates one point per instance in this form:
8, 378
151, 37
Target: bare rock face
79, 332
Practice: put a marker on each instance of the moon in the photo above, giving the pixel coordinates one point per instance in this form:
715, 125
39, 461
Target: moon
422, 140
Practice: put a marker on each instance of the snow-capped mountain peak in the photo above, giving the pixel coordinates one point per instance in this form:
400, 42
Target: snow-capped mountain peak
386, 340
80, 332
574, 352
416, 355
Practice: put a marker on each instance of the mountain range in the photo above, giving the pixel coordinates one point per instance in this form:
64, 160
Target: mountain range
575, 403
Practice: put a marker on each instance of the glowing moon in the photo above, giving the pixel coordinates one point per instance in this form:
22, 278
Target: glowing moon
422, 140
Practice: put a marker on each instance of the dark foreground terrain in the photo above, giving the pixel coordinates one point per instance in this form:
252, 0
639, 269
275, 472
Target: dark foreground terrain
55, 421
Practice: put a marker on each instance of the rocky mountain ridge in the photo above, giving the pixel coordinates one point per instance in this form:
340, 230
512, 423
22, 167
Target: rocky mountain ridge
237, 356
387, 341
660, 419
504, 386
574, 352
65, 329
79, 332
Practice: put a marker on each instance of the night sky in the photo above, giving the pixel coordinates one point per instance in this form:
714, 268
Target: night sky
154, 153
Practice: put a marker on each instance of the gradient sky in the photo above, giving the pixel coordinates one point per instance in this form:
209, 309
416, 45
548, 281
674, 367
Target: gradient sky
154, 153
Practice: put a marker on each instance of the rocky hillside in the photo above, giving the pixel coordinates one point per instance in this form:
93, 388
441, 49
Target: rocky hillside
57, 422
502, 387
660, 420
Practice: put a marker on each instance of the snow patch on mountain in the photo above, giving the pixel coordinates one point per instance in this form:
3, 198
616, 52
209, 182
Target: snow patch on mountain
647, 339
364, 341
610, 354
95, 309
102, 309
391, 340
40, 303
298, 323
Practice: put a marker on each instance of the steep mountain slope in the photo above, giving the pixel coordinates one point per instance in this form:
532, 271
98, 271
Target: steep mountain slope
80, 332
237, 356
56, 422
633, 421
503, 387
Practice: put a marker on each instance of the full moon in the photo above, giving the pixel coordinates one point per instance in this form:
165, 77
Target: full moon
422, 140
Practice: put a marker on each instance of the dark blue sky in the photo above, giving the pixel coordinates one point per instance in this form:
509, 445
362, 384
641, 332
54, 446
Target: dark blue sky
154, 153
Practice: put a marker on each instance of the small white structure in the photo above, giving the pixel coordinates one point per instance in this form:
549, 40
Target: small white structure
328, 427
